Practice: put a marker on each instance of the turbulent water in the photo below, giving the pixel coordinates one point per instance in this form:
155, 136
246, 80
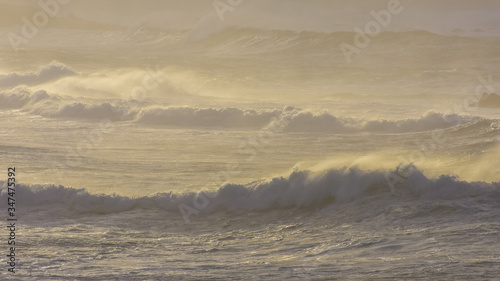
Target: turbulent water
244, 153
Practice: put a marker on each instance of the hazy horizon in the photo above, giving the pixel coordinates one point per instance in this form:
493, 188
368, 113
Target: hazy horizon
449, 17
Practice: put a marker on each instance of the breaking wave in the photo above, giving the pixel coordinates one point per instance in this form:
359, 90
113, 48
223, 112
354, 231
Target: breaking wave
288, 119
50, 72
21, 99
301, 189
327, 123
206, 117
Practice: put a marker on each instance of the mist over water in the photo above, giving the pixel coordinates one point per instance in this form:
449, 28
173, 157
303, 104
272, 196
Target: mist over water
252, 140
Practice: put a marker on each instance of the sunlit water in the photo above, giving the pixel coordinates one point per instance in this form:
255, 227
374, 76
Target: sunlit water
296, 151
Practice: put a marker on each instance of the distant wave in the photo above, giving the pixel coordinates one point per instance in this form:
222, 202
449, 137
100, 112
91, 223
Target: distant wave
288, 119
48, 73
292, 119
286, 42
302, 189
84, 111
430, 121
233, 40
327, 123
206, 117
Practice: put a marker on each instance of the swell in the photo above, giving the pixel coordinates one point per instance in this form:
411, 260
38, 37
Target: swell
301, 189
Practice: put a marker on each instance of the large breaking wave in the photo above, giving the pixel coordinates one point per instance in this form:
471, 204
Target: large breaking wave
301, 189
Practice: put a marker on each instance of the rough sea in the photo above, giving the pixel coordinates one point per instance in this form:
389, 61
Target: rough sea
249, 153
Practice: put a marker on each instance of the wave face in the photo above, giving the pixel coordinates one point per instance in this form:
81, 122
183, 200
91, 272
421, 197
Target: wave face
302, 189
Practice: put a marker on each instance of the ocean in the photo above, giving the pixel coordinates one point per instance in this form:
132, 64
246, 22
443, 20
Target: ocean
246, 150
